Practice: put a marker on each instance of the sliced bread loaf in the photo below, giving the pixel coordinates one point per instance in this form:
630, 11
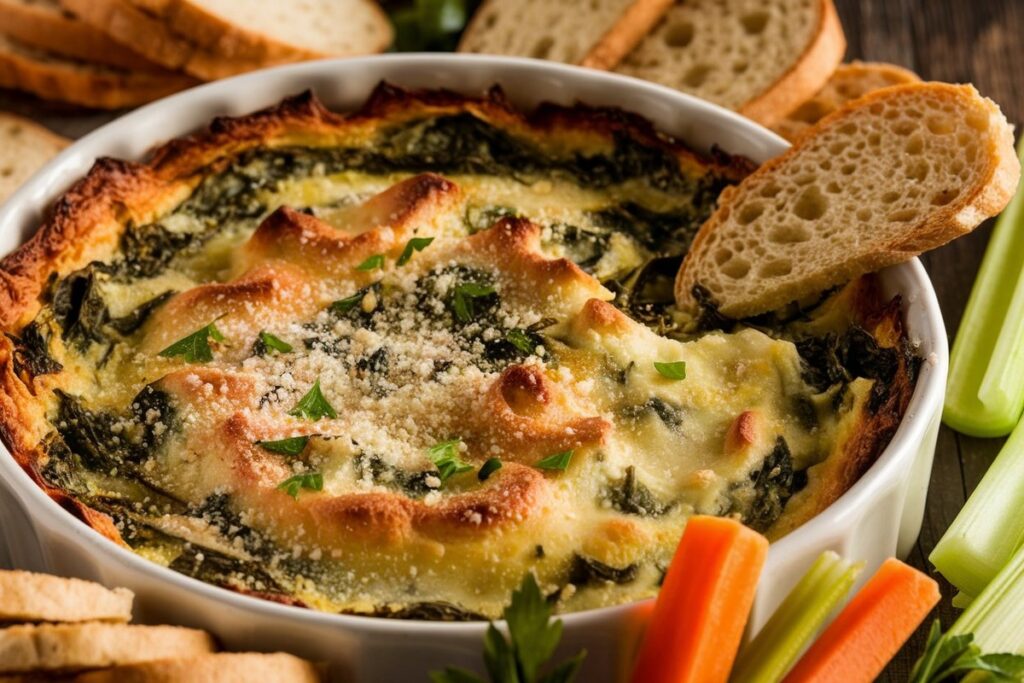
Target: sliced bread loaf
761, 58
57, 78
24, 148
25, 596
68, 647
277, 32
849, 82
224, 667
893, 174
597, 34
44, 25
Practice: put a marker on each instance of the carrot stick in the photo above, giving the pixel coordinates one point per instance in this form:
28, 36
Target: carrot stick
703, 605
871, 628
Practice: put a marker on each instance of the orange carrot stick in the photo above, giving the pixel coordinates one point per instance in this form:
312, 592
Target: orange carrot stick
703, 605
871, 628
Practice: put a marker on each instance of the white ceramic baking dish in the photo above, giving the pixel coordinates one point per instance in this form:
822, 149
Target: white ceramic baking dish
878, 517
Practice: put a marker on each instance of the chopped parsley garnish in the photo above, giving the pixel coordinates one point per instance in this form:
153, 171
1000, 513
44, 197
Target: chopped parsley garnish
310, 481
445, 456
195, 348
463, 296
488, 468
313, 406
348, 303
522, 340
532, 639
415, 244
373, 263
558, 461
673, 370
271, 343
292, 446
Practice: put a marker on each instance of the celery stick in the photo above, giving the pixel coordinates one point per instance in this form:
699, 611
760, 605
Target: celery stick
961, 600
768, 657
984, 395
990, 527
996, 616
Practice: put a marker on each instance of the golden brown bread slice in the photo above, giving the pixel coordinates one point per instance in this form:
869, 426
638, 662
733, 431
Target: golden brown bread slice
25, 596
44, 25
92, 85
74, 647
24, 147
225, 667
149, 35
849, 82
898, 172
761, 58
277, 32
596, 34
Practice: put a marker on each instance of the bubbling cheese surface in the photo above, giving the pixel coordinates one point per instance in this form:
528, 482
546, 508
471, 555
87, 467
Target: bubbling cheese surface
483, 341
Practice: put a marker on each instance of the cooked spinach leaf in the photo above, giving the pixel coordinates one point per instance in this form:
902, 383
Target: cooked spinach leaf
585, 571
32, 352
631, 497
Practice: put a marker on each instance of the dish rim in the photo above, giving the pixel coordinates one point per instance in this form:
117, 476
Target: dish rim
26, 206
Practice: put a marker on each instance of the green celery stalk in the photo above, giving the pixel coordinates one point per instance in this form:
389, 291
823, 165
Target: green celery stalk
996, 616
961, 600
990, 527
772, 653
984, 395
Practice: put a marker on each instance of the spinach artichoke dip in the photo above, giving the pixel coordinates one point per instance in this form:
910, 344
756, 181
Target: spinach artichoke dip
385, 363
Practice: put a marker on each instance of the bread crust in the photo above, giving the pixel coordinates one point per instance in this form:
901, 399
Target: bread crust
996, 184
233, 42
73, 647
100, 87
224, 667
806, 76
863, 77
636, 22
60, 34
25, 596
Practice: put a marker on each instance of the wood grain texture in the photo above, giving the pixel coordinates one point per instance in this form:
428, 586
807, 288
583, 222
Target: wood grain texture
977, 41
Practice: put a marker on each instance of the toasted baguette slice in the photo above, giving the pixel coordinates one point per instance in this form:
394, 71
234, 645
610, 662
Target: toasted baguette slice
243, 667
42, 24
277, 32
91, 85
25, 596
849, 82
596, 34
24, 147
898, 172
137, 27
762, 58
73, 647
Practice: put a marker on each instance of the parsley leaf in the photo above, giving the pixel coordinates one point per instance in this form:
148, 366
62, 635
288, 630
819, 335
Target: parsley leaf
348, 303
462, 299
522, 340
948, 656
488, 468
311, 481
415, 244
313, 406
292, 446
673, 370
558, 461
445, 456
268, 342
195, 348
373, 263
532, 640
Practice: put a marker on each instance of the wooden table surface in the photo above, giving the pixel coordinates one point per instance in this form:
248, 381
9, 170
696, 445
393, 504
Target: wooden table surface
977, 41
